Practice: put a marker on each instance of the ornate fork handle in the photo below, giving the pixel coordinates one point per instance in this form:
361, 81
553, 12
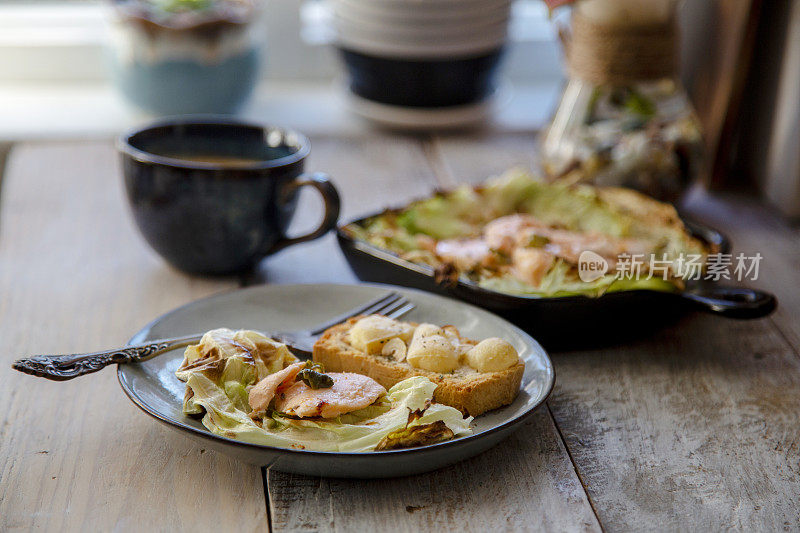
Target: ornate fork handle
64, 367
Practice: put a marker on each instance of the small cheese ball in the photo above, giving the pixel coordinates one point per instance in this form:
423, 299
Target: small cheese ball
492, 355
432, 352
371, 333
451, 332
427, 330
395, 349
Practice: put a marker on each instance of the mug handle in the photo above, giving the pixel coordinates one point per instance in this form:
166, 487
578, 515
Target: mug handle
322, 183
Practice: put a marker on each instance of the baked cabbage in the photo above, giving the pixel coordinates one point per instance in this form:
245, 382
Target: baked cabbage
413, 232
220, 370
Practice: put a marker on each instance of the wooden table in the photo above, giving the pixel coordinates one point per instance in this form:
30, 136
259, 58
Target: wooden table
695, 428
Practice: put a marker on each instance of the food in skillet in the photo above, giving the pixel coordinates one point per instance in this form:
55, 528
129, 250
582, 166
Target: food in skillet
248, 387
474, 377
518, 235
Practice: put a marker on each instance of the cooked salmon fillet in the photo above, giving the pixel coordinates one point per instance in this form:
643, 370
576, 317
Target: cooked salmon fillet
510, 233
264, 391
531, 264
465, 254
350, 392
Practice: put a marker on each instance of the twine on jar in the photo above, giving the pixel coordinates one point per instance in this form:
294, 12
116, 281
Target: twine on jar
619, 55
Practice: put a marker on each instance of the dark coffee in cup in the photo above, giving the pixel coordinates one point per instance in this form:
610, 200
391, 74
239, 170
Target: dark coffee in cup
215, 196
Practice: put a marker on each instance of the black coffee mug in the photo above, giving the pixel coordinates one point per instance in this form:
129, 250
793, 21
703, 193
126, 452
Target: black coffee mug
213, 195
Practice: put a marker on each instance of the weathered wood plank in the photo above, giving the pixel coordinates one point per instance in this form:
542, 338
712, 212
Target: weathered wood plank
755, 228
696, 427
523, 484
369, 172
526, 482
74, 276
473, 159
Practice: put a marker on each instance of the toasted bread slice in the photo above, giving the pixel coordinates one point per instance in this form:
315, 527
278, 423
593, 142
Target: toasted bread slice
471, 392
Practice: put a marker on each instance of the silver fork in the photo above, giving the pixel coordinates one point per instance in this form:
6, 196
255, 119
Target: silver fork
64, 367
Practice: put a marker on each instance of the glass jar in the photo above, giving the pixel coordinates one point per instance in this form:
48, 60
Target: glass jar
624, 119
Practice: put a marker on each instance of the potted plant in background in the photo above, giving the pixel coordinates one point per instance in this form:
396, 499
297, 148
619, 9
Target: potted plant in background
415, 63
185, 56
624, 118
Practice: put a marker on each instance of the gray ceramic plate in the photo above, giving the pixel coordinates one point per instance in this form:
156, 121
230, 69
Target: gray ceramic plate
153, 387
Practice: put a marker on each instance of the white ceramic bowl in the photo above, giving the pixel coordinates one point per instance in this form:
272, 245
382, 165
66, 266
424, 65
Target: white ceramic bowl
427, 119
424, 7
408, 12
412, 22
420, 51
421, 28
423, 36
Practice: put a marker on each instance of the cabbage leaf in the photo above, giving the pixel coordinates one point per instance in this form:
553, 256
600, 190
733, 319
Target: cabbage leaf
218, 377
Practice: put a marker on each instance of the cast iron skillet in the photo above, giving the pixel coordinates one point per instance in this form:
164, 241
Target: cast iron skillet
571, 322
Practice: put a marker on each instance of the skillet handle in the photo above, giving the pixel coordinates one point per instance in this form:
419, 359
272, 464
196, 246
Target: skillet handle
732, 302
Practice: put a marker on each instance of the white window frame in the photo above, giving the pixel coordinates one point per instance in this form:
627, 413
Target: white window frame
57, 42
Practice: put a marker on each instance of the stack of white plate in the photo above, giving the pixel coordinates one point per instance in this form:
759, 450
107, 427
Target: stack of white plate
422, 28
422, 63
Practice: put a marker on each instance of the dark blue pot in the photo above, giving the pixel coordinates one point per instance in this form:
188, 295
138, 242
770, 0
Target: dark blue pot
433, 83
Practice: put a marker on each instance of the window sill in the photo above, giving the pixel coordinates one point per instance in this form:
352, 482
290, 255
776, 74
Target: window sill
96, 111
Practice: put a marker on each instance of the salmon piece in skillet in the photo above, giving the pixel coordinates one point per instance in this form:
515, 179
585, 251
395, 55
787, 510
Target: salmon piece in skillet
513, 232
465, 254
